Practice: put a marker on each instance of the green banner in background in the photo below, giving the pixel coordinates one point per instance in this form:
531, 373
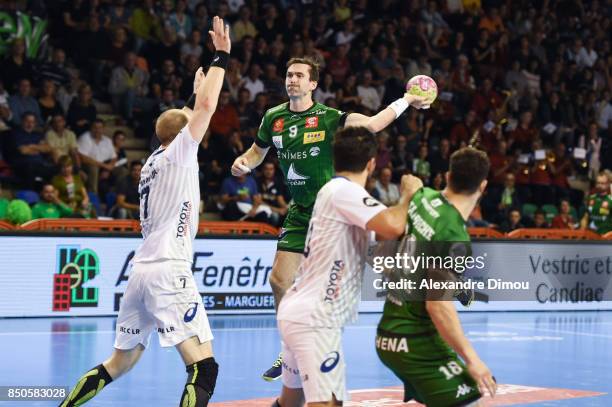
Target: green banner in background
19, 25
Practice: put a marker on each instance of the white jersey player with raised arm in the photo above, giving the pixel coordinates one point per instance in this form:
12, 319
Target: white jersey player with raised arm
325, 295
161, 292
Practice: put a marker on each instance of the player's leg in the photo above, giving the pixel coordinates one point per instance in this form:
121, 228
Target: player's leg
292, 394
176, 304
202, 370
133, 329
431, 372
288, 257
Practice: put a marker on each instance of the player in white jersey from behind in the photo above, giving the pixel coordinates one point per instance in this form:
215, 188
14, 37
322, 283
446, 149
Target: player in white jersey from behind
162, 294
325, 295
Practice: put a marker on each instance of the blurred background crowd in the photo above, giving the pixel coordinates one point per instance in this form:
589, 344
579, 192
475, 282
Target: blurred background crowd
82, 82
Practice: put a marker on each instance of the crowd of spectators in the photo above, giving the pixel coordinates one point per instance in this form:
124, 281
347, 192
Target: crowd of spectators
529, 81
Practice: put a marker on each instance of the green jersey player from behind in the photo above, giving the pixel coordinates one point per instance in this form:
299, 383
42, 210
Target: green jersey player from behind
421, 339
302, 132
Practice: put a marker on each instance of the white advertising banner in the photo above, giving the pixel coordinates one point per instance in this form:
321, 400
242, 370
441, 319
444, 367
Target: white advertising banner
75, 275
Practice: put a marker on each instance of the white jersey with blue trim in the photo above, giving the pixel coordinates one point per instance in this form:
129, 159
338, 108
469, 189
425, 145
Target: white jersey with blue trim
328, 285
169, 191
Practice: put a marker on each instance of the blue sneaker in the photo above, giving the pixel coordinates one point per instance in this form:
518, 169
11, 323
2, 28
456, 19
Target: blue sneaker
274, 373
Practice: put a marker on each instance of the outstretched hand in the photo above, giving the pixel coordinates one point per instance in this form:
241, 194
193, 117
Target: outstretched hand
220, 35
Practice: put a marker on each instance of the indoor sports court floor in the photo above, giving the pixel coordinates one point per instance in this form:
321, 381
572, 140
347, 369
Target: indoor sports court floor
547, 358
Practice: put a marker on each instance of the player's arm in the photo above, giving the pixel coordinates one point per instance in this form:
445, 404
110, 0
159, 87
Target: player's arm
388, 115
390, 223
249, 160
445, 318
207, 94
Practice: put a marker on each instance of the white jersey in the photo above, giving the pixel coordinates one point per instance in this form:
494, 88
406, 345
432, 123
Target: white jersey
327, 289
169, 191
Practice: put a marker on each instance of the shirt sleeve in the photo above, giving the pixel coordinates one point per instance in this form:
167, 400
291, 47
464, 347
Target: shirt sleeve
357, 205
84, 146
335, 118
263, 138
183, 150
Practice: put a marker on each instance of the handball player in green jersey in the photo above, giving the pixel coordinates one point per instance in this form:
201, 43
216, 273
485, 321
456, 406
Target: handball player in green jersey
420, 339
302, 132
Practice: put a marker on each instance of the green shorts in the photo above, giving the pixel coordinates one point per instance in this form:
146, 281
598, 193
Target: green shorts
431, 371
293, 233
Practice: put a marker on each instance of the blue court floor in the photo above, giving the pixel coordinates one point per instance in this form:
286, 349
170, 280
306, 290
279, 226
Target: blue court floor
561, 350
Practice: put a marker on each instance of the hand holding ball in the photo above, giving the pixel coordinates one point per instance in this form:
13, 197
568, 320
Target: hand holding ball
425, 88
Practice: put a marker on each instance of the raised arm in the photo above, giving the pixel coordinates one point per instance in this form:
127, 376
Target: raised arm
207, 94
388, 115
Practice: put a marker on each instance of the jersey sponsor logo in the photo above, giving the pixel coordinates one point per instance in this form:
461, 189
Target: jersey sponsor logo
278, 141
292, 155
312, 122
429, 208
184, 219
391, 344
278, 125
314, 137
294, 177
436, 202
419, 223
331, 362
167, 330
130, 331
369, 201
191, 313
335, 276
463, 390
314, 151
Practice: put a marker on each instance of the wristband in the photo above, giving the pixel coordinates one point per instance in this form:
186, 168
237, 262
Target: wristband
191, 101
221, 59
399, 106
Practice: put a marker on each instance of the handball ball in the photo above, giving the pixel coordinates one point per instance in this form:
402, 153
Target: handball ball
422, 85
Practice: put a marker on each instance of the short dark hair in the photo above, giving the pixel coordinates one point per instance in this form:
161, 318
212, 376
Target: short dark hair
135, 163
468, 168
311, 62
353, 148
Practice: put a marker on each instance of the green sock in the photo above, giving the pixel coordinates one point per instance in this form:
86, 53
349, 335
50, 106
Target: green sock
90, 384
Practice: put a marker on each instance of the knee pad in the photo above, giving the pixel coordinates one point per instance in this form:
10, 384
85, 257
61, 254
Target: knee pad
201, 380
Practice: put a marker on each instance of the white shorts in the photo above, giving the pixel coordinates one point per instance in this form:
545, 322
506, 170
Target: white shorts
164, 296
313, 361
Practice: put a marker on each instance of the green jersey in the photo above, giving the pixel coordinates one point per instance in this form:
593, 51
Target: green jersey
3, 205
436, 228
599, 207
303, 142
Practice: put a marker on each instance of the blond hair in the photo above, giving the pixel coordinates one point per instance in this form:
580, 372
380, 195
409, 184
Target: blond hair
169, 123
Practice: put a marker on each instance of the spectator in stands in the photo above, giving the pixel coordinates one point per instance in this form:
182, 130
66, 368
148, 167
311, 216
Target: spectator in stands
167, 77
16, 66
24, 102
539, 219
62, 140
225, 120
193, 46
462, 132
31, 160
128, 199
82, 112
244, 25
512, 222
128, 88
167, 48
240, 199
486, 98
440, 159
564, 219
271, 191
145, 24
274, 85
370, 99
115, 49
50, 206
56, 70
598, 216
401, 159
71, 189
118, 145
247, 116
525, 134
180, 21
97, 155
387, 191
420, 165
5, 111
253, 82
48, 103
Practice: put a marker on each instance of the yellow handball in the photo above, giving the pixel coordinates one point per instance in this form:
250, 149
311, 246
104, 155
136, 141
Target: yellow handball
423, 85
